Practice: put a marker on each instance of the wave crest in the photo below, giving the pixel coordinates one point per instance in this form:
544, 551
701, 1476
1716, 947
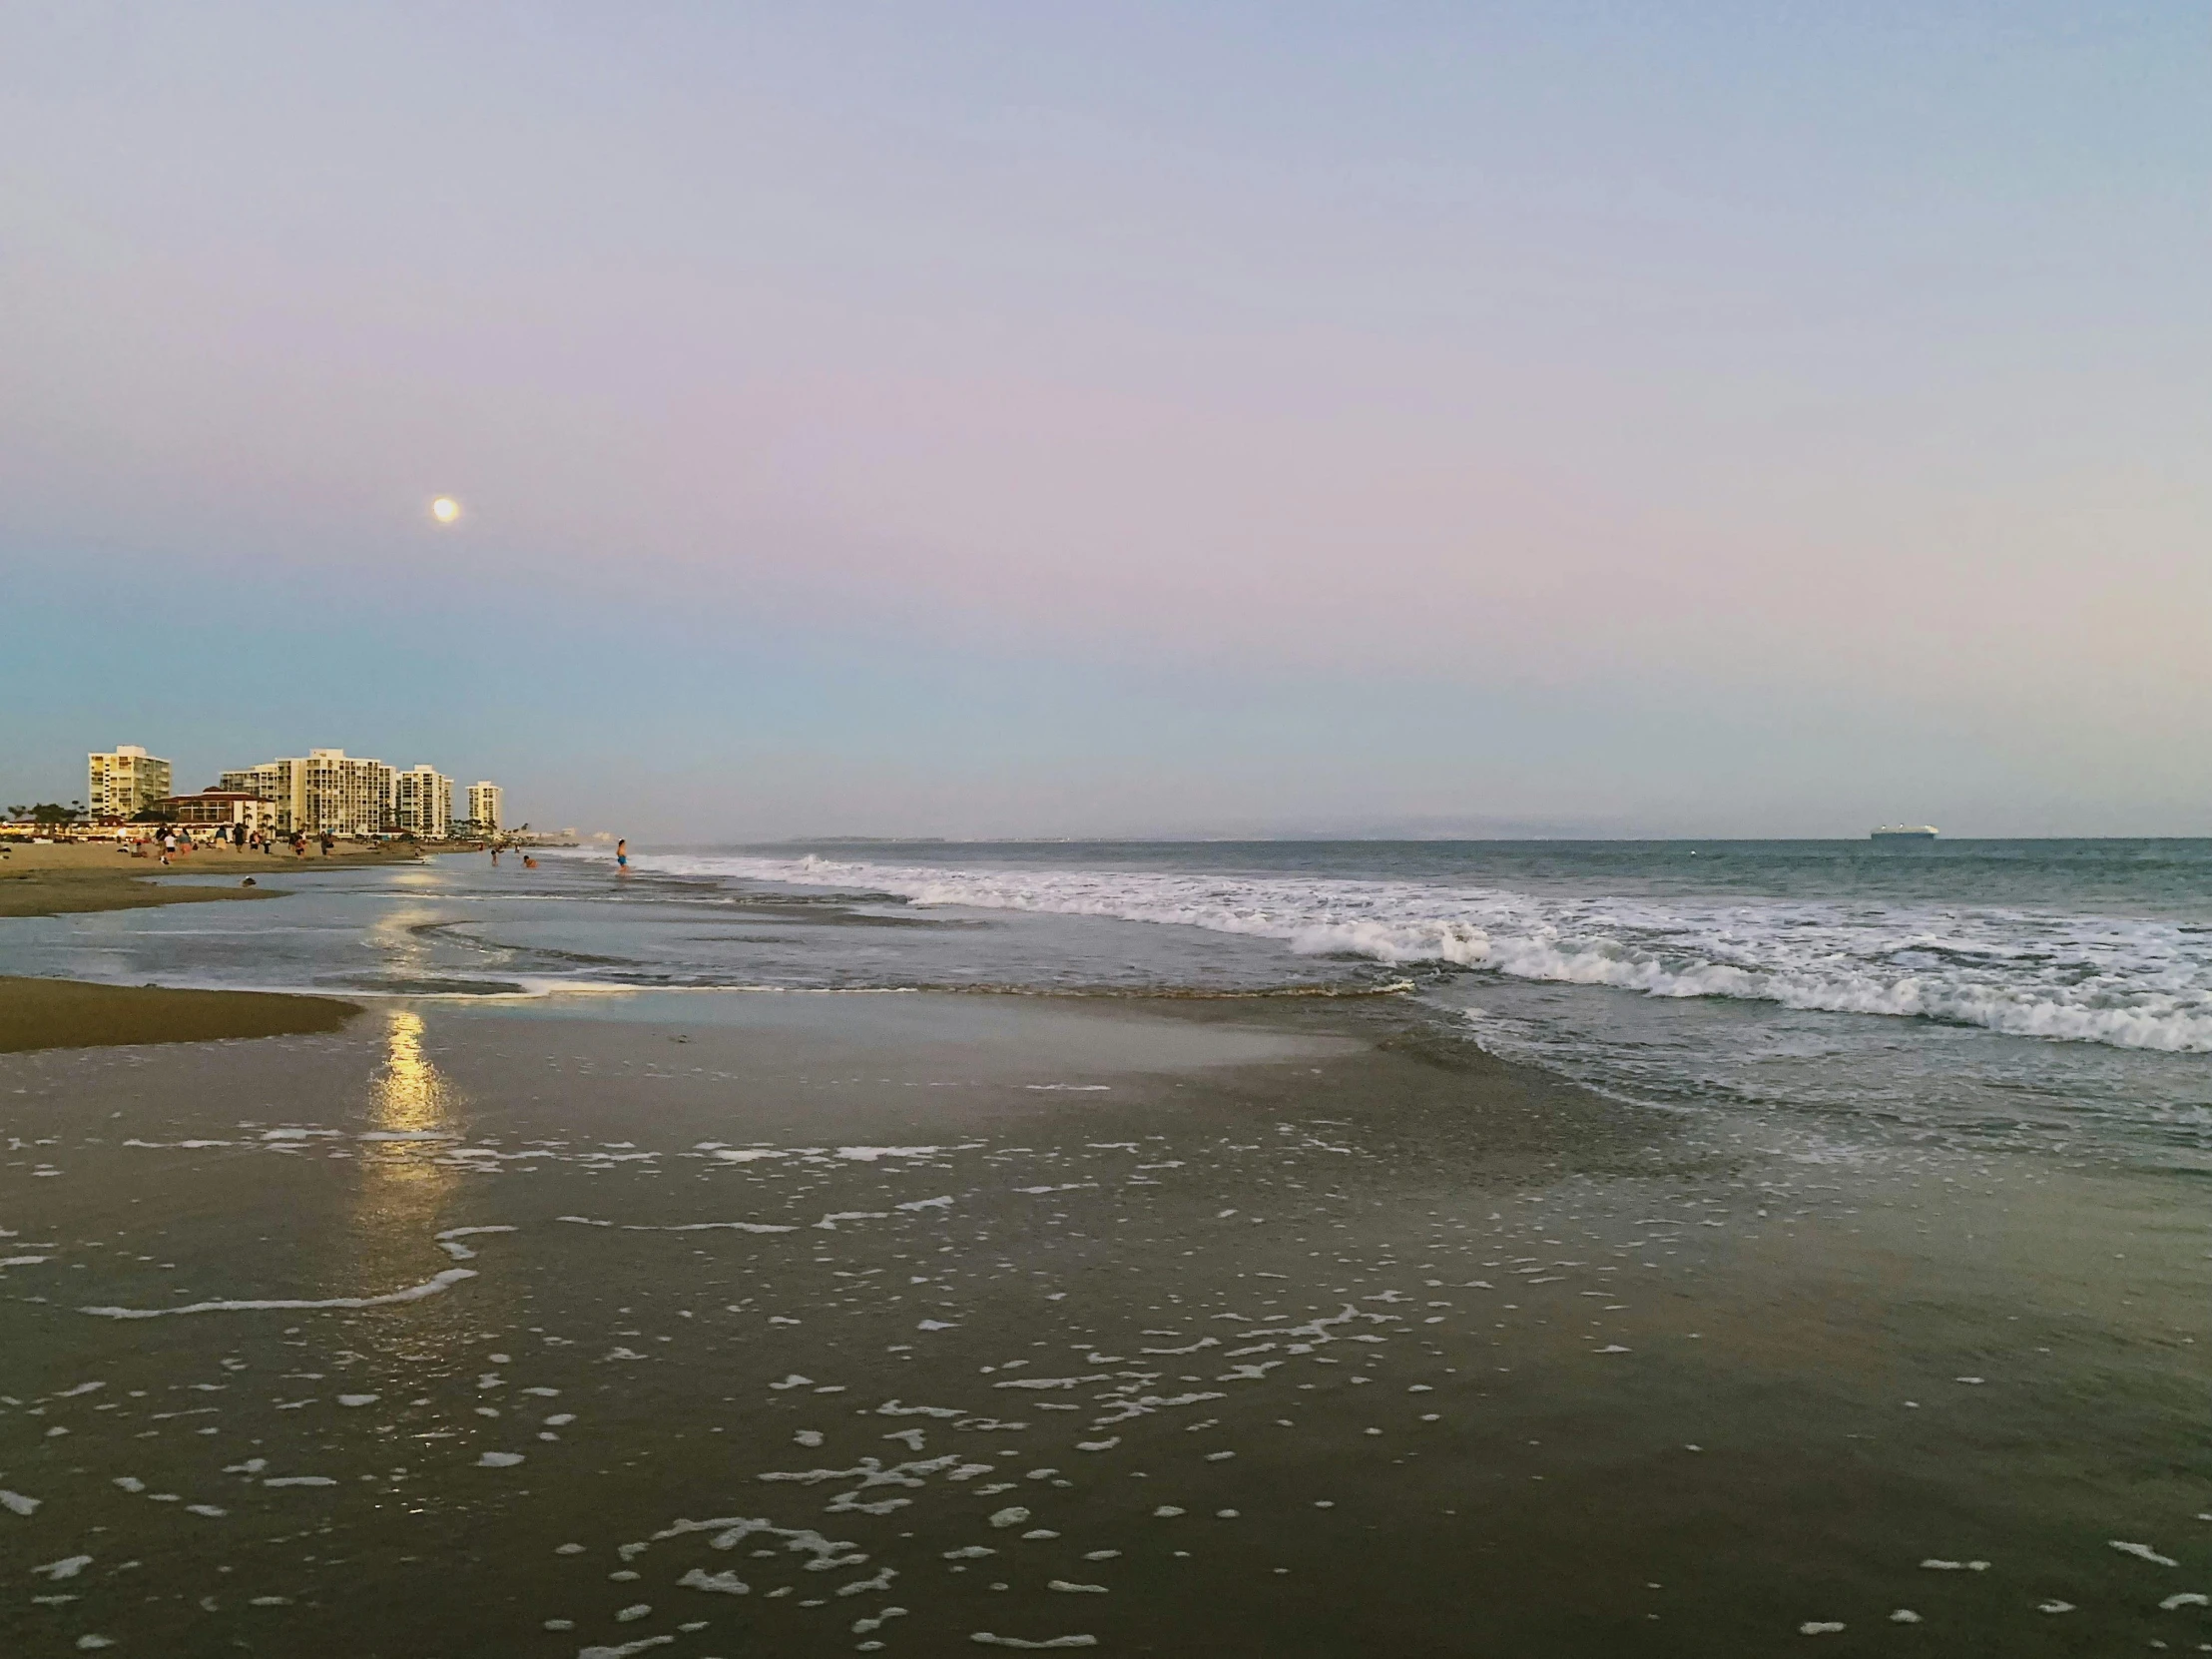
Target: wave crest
2121, 981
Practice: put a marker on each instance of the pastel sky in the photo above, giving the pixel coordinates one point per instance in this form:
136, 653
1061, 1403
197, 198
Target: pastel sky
1003, 418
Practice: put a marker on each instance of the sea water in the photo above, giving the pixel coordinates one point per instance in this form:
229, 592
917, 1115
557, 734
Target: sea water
2057, 992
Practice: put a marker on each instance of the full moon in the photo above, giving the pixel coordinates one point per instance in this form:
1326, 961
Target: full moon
446, 510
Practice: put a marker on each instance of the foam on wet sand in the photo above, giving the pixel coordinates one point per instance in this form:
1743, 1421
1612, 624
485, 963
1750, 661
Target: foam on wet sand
1182, 1292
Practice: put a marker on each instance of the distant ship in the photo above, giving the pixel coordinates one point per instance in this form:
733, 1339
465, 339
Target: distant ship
1905, 833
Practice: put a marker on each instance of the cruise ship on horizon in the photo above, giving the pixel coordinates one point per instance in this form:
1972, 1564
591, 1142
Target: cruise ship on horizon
1905, 833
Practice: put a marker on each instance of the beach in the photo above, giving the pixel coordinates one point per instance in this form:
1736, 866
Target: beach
1232, 833
710, 1322
76, 878
73, 877
63, 1013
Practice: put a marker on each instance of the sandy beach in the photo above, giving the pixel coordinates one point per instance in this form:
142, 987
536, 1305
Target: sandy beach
82, 879
728, 1324
76, 877
64, 1013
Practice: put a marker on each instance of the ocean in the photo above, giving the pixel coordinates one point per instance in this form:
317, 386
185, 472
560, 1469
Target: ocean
2045, 993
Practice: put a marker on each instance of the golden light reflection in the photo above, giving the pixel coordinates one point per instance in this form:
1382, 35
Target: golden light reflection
411, 1095
399, 1205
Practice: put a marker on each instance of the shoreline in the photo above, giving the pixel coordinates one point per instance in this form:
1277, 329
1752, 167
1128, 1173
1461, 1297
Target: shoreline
39, 1012
84, 878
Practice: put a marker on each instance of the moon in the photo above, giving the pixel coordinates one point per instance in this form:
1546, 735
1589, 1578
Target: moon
446, 510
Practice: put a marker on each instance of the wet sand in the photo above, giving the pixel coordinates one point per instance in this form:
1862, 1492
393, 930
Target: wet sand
66, 1013
74, 877
806, 1324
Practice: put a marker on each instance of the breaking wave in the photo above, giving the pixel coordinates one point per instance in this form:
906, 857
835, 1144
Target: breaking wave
2126, 982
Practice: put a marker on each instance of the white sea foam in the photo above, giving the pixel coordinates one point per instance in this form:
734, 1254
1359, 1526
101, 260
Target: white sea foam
719, 1583
681, 1227
2124, 981
2143, 1552
447, 1240
626, 1650
984, 1638
414, 1293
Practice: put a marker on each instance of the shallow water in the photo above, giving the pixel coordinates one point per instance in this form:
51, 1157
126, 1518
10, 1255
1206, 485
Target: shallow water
2054, 995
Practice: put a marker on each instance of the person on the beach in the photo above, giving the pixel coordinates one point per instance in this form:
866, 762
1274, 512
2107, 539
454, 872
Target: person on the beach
621, 857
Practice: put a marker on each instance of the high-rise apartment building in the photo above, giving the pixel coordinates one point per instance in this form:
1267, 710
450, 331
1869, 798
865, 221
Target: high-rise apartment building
422, 803
345, 795
124, 782
485, 806
325, 791
272, 781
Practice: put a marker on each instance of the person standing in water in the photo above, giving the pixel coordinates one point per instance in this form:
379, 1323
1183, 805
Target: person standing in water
621, 857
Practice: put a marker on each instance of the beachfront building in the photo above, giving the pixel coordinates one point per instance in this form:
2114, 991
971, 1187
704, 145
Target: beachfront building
325, 791
219, 808
124, 782
273, 783
345, 795
485, 806
422, 803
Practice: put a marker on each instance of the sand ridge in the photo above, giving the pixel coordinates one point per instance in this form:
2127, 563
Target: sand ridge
67, 1014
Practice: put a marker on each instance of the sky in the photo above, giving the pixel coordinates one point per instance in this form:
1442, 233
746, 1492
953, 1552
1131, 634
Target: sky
994, 419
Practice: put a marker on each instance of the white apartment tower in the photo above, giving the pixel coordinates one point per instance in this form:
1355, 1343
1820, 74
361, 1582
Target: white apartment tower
345, 795
124, 782
485, 807
273, 781
422, 803
325, 791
